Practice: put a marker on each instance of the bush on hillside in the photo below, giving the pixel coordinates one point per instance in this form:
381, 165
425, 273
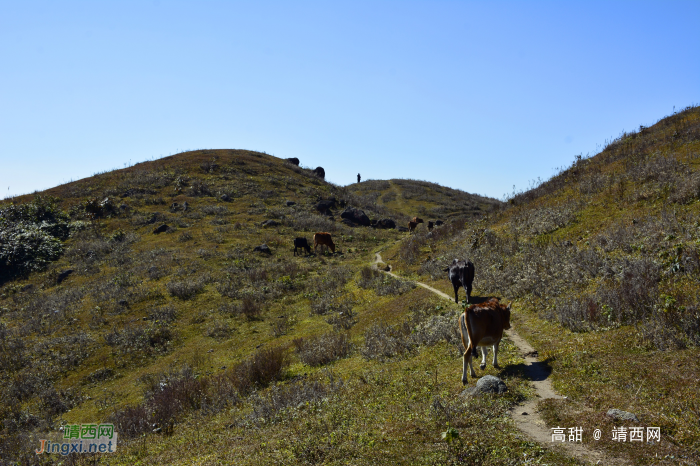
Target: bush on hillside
30, 236
382, 283
322, 349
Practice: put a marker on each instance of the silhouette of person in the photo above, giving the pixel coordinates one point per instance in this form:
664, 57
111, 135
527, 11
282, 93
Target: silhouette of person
358, 177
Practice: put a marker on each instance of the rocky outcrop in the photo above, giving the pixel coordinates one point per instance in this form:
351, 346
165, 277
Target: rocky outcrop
386, 223
356, 216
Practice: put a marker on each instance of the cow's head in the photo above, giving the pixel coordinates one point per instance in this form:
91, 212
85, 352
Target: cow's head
506, 316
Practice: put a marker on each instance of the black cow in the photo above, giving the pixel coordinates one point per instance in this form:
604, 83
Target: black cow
461, 273
302, 244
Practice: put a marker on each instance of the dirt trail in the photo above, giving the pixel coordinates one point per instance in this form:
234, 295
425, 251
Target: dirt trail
525, 415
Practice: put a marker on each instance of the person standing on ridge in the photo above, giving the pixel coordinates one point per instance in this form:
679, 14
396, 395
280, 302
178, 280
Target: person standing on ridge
358, 177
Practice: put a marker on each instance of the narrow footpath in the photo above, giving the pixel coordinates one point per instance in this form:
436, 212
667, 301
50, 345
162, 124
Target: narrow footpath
525, 415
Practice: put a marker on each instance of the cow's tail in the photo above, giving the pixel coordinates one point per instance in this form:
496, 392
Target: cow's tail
465, 327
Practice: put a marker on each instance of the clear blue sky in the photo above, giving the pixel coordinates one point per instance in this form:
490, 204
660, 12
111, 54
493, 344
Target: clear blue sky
478, 96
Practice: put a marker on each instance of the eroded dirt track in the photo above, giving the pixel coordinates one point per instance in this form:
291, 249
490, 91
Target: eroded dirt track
525, 415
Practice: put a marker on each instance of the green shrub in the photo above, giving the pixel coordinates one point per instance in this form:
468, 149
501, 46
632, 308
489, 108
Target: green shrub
30, 236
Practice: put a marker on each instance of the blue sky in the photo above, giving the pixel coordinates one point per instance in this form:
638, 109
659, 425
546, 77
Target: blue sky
478, 96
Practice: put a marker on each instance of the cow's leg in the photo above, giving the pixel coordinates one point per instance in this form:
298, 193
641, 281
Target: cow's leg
468, 289
467, 361
495, 355
484, 352
456, 287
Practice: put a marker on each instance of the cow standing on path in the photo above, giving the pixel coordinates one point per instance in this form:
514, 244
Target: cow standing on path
482, 325
461, 273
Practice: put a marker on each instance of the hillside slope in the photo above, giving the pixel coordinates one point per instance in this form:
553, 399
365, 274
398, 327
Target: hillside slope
136, 297
423, 199
603, 261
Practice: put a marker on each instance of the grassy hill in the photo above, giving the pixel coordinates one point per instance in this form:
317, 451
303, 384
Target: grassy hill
423, 199
136, 297
119, 304
603, 262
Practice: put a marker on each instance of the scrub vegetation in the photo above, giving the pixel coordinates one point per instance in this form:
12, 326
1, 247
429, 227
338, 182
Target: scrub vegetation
140, 300
602, 262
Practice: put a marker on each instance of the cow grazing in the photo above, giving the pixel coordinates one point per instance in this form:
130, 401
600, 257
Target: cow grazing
301, 243
323, 239
430, 225
412, 226
482, 325
461, 273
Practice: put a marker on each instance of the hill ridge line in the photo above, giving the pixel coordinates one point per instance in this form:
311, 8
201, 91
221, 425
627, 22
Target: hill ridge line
526, 417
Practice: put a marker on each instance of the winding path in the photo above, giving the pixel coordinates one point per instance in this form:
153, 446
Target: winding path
525, 415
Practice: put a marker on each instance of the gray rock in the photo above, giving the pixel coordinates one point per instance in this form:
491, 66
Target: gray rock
487, 384
270, 223
386, 223
356, 216
324, 205
290, 203
620, 415
264, 248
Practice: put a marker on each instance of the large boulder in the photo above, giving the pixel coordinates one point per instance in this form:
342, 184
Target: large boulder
386, 223
324, 205
356, 216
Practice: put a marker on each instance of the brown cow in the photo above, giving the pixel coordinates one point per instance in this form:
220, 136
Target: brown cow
412, 226
417, 220
484, 325
323, 239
